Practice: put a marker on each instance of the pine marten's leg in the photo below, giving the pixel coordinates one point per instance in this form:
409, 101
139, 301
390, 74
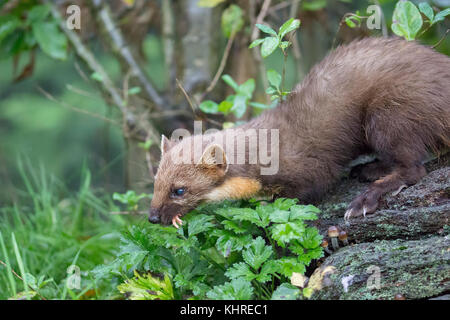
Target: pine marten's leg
401, 176
371, 171
397, 141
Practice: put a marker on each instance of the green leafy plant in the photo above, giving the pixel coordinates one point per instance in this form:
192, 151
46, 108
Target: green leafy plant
233, 250
38, 29
275, 39
407, 20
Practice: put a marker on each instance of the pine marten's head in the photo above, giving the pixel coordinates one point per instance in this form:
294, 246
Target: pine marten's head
183, 180
193, 171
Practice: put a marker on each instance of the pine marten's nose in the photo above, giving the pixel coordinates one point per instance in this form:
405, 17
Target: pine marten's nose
154, 216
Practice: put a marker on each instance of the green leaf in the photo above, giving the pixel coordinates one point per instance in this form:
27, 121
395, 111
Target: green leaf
228, 242
274, 78
209, 3
288, 26
8, 24
427, 10
237, 289
134, 90
288, 265
285, 232
440, 16
311, 238
200, 223
269, 45
239, 228
239, 105
38, 13
301, 212
247, 88
269, 268
314, 5
257, 253
243, 214
228, 80
260, 105
266, 29
209, 106
255, 43
97, 76
225, 106
407, 20
240, 270
146, 287
51, 40
232, 20
286, 291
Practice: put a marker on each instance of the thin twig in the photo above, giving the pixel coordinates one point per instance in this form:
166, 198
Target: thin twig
221, 67
191, 103
50, 97
442, 39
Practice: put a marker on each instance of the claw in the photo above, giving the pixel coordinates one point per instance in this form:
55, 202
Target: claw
176, 221
403, 186
364, 211
348, 214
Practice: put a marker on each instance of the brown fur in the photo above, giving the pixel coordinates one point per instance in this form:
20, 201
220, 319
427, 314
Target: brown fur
387, 96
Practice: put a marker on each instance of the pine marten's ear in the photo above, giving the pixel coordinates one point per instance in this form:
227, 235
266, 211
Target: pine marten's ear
214, 157
166, 144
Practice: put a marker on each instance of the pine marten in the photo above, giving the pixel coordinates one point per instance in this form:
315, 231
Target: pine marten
381, 95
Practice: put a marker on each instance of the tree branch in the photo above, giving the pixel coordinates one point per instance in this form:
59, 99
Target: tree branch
122, 48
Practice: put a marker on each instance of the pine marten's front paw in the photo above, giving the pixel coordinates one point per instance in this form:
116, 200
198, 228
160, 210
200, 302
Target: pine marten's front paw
365, 203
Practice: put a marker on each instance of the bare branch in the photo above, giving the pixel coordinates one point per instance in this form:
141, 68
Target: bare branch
122, 48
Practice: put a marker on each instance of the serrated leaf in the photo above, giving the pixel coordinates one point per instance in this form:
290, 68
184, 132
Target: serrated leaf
286, 291
274, 78
288, 26
200, 223
266, 29
237, 289
311, 238
257, 253
240, 270
228, 242
288, 265
269, 45
427, 10
146, 287
268, 269
407, 20
232, 20
285, 232
301, 212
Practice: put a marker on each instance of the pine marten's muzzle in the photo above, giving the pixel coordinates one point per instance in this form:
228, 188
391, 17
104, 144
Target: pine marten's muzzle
154, 216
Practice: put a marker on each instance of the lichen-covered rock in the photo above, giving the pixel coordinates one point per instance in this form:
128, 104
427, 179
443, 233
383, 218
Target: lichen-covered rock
382, 269
419, 210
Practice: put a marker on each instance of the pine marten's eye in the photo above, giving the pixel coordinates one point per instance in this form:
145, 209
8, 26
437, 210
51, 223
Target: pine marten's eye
178, 192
